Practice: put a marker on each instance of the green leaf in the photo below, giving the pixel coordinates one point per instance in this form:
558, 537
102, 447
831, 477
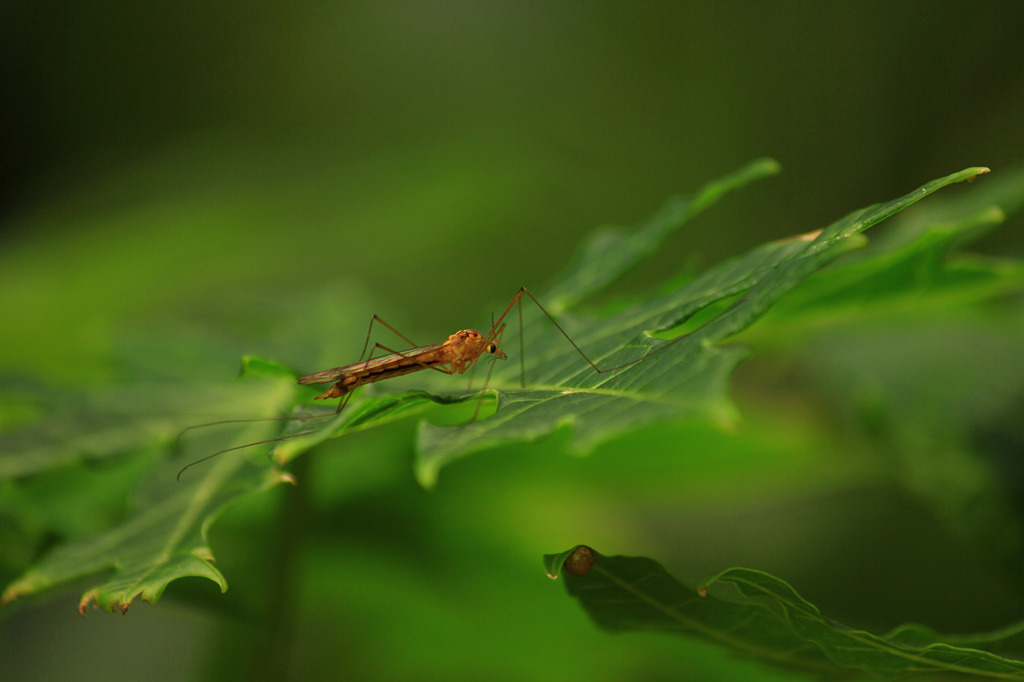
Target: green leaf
163, 529
161, 535
762, 618
684, 377
915, 258
610, 252
552, 365
163, 540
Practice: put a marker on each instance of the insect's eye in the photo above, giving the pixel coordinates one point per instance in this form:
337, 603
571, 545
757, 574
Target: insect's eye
492, 347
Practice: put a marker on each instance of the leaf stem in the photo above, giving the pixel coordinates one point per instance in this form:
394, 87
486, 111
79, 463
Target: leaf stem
271, 659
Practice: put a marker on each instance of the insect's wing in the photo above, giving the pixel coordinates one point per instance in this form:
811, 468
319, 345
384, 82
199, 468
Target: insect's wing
367, 367
327, 376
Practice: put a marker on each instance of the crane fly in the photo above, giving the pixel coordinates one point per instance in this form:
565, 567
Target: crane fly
454, 356
460, 352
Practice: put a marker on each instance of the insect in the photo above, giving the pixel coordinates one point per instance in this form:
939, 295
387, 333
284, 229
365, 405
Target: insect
454, 356
459, 353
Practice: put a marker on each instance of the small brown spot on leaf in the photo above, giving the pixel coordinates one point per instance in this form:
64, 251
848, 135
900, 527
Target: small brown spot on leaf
580, 561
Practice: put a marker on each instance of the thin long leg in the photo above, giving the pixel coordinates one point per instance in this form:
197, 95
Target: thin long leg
517, 299
369, 331
487, 380
522, 347
366, 343
442, 370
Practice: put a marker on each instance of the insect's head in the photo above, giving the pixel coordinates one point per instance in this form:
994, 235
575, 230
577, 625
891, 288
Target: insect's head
491, 346
492, 349
472, 341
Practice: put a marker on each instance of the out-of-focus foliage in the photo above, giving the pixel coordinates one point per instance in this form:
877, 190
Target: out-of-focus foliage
183, 185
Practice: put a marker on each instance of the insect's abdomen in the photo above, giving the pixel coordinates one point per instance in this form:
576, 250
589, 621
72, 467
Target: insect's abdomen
371, 374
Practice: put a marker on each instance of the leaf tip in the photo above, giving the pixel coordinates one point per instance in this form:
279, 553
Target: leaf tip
975, 172
805, 237
767, 166
83, 603
426, 474
9, 595
702, 588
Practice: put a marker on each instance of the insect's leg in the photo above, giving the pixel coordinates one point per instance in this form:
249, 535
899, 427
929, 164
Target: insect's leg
369, 331
377, 319
404, 354
480, 400
342, 403
522, 344
497, 327
341, 406
348, 394
518, 299
366, 343
568, 338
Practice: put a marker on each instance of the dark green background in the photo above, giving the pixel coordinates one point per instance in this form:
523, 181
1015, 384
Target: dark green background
166, 163
446, 153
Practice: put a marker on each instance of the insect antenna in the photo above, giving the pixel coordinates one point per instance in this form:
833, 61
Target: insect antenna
247, 445
181, 434
333, 413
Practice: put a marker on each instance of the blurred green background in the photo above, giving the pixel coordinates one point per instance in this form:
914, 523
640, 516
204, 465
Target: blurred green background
211, 175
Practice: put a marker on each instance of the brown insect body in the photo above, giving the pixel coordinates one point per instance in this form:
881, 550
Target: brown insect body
454, 356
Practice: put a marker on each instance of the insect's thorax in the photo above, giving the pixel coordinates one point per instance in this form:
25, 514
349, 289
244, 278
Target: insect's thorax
465, 347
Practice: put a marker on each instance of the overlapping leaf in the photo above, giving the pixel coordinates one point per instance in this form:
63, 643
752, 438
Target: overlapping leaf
763, 618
